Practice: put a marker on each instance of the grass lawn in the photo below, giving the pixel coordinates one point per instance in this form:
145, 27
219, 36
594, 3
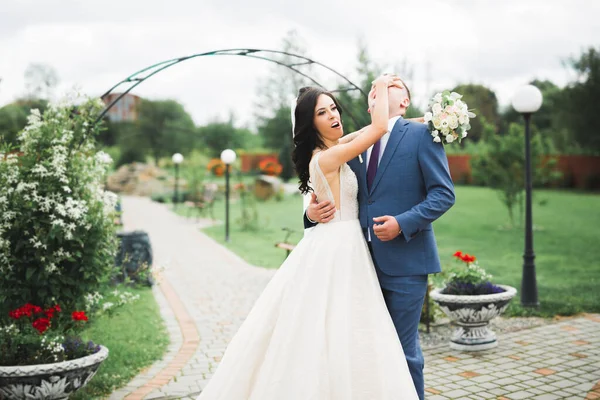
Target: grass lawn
135, 338
565, 242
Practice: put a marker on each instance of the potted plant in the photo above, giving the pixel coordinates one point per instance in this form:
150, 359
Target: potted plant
57, 248
471, 301
43, 357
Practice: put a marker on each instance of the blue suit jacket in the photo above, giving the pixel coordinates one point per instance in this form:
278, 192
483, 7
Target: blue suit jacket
413, 184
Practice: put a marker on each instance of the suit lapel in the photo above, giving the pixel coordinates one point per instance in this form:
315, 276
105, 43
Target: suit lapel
360, 170
396, 137
363, 172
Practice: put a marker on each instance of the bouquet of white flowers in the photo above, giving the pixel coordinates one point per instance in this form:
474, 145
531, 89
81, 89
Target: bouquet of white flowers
448, 117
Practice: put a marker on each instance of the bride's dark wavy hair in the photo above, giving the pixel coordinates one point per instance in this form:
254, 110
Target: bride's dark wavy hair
306, 136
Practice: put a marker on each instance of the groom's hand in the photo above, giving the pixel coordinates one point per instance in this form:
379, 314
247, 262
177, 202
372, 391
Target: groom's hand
386, 228
322, 212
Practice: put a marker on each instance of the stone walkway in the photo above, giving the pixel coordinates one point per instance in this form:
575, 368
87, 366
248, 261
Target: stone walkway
205, 292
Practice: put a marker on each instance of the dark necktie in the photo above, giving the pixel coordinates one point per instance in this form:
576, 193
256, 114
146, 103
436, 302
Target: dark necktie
373, 164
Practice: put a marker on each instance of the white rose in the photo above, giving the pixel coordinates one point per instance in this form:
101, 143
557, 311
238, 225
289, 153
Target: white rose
437, 108
453, 122
463, 119
428, 116
449, 138
435, 133
437, 98
464, 135
445, 130
455, 96
437, 139
437, 123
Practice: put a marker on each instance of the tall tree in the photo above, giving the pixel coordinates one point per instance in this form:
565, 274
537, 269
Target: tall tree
485, 103
164, 127
13, 118
366, 71
282, 84
581, 99
354, 101
220, 135
547, 120
275, 95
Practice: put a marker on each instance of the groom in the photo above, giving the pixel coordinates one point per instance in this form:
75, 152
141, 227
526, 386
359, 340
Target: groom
404, 185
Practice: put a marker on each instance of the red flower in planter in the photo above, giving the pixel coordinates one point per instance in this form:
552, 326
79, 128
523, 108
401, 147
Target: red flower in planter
79, 316
26, 311
50, 312
468, 258
41, 324
458, 254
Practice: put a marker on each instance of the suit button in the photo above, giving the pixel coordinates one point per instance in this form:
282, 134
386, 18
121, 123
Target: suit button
370, 201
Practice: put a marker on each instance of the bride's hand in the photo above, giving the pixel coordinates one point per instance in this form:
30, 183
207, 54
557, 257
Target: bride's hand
390, 80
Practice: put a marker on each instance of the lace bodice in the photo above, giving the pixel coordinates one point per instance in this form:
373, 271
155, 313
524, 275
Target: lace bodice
348, 209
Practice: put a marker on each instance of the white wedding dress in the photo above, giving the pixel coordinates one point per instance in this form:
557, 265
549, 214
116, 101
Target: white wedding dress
321, 329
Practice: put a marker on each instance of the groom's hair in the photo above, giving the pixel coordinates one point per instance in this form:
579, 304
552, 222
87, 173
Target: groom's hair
406, 87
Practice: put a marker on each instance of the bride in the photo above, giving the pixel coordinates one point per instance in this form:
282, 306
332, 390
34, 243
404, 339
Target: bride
321, 329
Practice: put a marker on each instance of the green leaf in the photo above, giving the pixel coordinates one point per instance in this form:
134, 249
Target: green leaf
29, 272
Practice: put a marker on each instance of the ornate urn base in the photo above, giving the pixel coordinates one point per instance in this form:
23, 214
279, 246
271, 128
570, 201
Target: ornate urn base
472, 314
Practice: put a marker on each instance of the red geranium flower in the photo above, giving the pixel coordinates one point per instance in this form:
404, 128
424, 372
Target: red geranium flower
50, 312
468, 258
79, 316
41, 324
458, 254
27, 310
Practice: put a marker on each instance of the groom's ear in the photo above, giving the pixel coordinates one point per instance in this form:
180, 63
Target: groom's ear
406, 102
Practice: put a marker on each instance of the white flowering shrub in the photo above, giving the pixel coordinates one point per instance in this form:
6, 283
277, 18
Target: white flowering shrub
57, 236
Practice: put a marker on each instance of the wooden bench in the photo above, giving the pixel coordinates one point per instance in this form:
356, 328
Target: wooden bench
284, 245
205, 201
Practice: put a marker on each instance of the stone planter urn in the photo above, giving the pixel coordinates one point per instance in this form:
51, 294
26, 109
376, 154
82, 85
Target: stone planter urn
472, 315
49, 381
135, 255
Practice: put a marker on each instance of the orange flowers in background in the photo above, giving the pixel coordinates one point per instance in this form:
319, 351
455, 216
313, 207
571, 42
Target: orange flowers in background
216, 167
270, 166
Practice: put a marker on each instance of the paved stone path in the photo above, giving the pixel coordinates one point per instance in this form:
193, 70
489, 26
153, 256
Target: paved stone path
205, 292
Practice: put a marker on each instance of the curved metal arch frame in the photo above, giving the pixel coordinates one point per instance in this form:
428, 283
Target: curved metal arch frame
139, 77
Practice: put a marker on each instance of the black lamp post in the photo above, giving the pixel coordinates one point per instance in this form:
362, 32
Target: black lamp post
527, 100
228, 157
177, 159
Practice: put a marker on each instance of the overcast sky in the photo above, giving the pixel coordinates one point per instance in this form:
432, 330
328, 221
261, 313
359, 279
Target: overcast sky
94, 44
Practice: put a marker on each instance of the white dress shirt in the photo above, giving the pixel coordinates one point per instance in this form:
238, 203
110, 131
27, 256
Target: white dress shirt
384, 140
